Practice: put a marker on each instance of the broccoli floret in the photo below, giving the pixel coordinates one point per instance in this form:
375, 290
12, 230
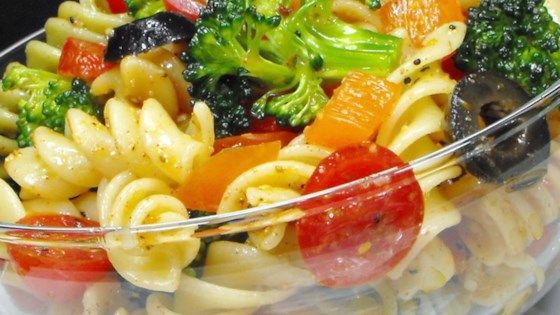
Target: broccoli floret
288, 55
294, 108
515, 37
143, 8
227, 100
49, 98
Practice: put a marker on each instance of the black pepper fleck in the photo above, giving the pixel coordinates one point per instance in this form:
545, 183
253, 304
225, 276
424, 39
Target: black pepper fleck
377, 218
417, 61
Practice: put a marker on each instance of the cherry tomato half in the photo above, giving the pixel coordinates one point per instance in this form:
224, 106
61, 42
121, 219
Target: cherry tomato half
117, 6
57, 273
448, 65
355, 236
253, 138
267, 124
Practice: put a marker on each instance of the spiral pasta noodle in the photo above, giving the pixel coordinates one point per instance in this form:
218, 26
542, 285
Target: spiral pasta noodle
157, 74
12, 210
502, 224
270, 183
150, 260
9, 111
230, 284
412, 130
84, 20
145, 141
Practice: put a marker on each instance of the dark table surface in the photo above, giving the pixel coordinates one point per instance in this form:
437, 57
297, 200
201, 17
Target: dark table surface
21, 17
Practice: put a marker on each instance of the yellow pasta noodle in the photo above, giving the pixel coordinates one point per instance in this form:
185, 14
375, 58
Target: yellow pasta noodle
136, 80
84, 20
435, 46
195, 296
278, 181
150, 260
145, 141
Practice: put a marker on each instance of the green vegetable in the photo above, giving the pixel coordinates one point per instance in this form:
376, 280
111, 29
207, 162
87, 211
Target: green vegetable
227, 100
373, 4
143, 8
50, 97
515, 37
288, 57
298, 107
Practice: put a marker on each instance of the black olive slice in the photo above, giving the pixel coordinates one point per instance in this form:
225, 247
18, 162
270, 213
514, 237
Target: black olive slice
144, 34
518, 152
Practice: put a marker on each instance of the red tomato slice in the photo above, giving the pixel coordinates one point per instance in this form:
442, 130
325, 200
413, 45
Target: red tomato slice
267, 124
82, 59
247, 139
448, 65
58, 273
117, 6
356, 236
187, 8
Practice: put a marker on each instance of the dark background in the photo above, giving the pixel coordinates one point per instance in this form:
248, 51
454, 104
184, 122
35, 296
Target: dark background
19, 18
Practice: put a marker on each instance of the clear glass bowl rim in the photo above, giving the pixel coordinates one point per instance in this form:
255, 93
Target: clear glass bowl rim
541, 104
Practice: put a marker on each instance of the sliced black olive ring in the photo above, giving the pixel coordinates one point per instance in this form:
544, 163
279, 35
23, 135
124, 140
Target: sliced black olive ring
145, 34
518, 152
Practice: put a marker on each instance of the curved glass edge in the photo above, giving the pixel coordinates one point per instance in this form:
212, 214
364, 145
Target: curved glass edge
544, 103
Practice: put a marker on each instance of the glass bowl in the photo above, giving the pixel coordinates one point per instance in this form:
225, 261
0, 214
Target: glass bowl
483, 248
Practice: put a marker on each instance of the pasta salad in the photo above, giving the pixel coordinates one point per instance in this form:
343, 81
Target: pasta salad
135, 113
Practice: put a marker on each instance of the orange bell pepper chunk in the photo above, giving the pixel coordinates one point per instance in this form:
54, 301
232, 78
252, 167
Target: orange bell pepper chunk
354, 112
205, 186
253, 138
419, 17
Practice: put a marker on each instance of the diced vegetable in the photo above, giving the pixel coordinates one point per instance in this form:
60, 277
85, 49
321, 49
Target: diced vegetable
355, 111
187, 8
267, 124
419, 17
204, 188
117, 6
145, 34
253, 138
448, 65
366, 230
82, 59
58, 274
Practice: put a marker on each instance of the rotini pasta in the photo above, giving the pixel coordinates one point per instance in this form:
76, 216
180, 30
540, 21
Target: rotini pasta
501, 224
151, 260
146, 141
436, 45
82, 20
195, 296
242, 266
12, 210
127, 169
254, 187
439, 215
137, 79
104, 297
8, 117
